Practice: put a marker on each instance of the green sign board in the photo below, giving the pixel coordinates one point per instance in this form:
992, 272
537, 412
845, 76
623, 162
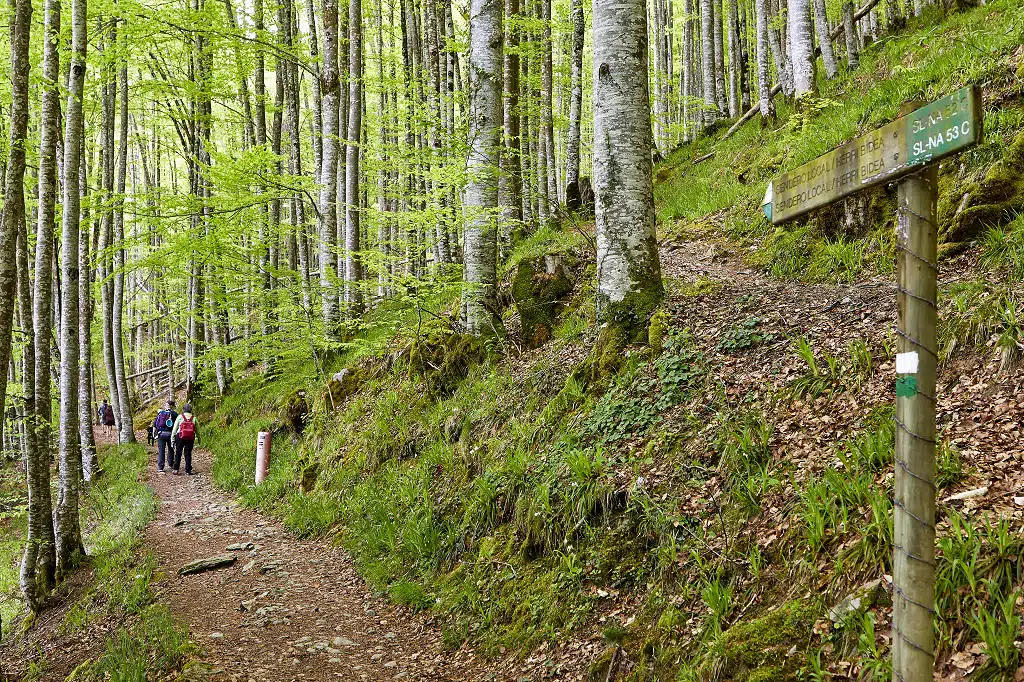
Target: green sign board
930, 133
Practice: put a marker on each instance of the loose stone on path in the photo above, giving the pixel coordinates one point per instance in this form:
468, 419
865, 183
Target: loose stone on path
208, 564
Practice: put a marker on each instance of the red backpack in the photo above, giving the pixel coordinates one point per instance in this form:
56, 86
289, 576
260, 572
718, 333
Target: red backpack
187, 430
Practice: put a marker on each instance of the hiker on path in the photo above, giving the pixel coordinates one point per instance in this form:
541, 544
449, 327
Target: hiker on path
163, 425
185, 434
106, 415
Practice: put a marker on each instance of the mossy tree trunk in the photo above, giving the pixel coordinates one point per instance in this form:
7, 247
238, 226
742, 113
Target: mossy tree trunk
629, 286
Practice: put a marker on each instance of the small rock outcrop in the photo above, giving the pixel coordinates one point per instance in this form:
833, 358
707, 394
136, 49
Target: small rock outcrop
538, 290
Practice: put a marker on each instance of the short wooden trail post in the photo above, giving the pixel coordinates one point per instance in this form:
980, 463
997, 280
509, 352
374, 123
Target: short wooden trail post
904, 150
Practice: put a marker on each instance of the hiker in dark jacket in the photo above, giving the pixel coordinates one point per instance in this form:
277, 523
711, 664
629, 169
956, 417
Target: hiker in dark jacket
163, 426
106, 415
185, 434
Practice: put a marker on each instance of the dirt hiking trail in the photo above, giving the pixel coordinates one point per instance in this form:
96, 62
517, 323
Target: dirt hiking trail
286, 609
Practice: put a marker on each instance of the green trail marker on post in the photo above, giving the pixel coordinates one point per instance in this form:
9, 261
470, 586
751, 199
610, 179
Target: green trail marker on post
903, 150
928, 134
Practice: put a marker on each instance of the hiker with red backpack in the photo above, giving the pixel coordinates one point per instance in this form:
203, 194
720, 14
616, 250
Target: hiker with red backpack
106, 415
184, 434
163, 427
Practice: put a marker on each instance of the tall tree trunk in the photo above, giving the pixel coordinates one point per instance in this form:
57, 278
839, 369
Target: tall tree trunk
688, 68
629, 286
68, 529
801, 52
572, 145
828, 56
108, 146
37, 464
314, 53
353, 262
735, 62
547, 110
894, 18
298, 206
707, 38
510, 183
263, 229
384, 218
525, 144
850, 33
341, 222
126, 425
764, 83
481, 197
720, 91
14, 189
329, 89
743, 38
782, 66
42, 311
87, 438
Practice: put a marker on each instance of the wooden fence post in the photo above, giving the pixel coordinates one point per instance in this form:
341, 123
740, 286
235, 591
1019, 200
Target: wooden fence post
915, 490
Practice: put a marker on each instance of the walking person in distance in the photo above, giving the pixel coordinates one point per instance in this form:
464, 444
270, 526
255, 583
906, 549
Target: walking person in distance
184, 435
106, 415
163, 426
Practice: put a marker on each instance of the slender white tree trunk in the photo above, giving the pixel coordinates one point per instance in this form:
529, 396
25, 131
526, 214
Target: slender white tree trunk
735, 62
42, 313
87, 438
764, 82
35, 462
510, 183
850, 33
688, 69
68, 528
572, 147
329, 90
547, 112
629, 285
481, 197
828, 55
707, 40
126, 422
801, 52
782, 65
720, 89
353, 263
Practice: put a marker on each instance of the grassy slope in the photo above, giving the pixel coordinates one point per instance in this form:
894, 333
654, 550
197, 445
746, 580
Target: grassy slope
522, 507
112, 628
933, 58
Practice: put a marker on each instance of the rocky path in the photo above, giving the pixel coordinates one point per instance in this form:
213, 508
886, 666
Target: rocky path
285, 609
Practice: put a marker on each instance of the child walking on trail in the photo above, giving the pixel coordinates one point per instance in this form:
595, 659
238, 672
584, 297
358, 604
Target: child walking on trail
184, 435
163, 426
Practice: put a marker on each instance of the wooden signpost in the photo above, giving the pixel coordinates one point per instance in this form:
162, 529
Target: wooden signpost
928, 134
903, 150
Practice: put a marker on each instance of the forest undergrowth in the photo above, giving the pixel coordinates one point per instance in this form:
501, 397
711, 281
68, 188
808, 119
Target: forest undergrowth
110, 610
720, 506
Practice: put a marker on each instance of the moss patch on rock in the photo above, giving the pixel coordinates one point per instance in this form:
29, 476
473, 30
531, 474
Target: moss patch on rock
967, 210
756, 650
343, 385
294, 408
538, 290
443, 360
